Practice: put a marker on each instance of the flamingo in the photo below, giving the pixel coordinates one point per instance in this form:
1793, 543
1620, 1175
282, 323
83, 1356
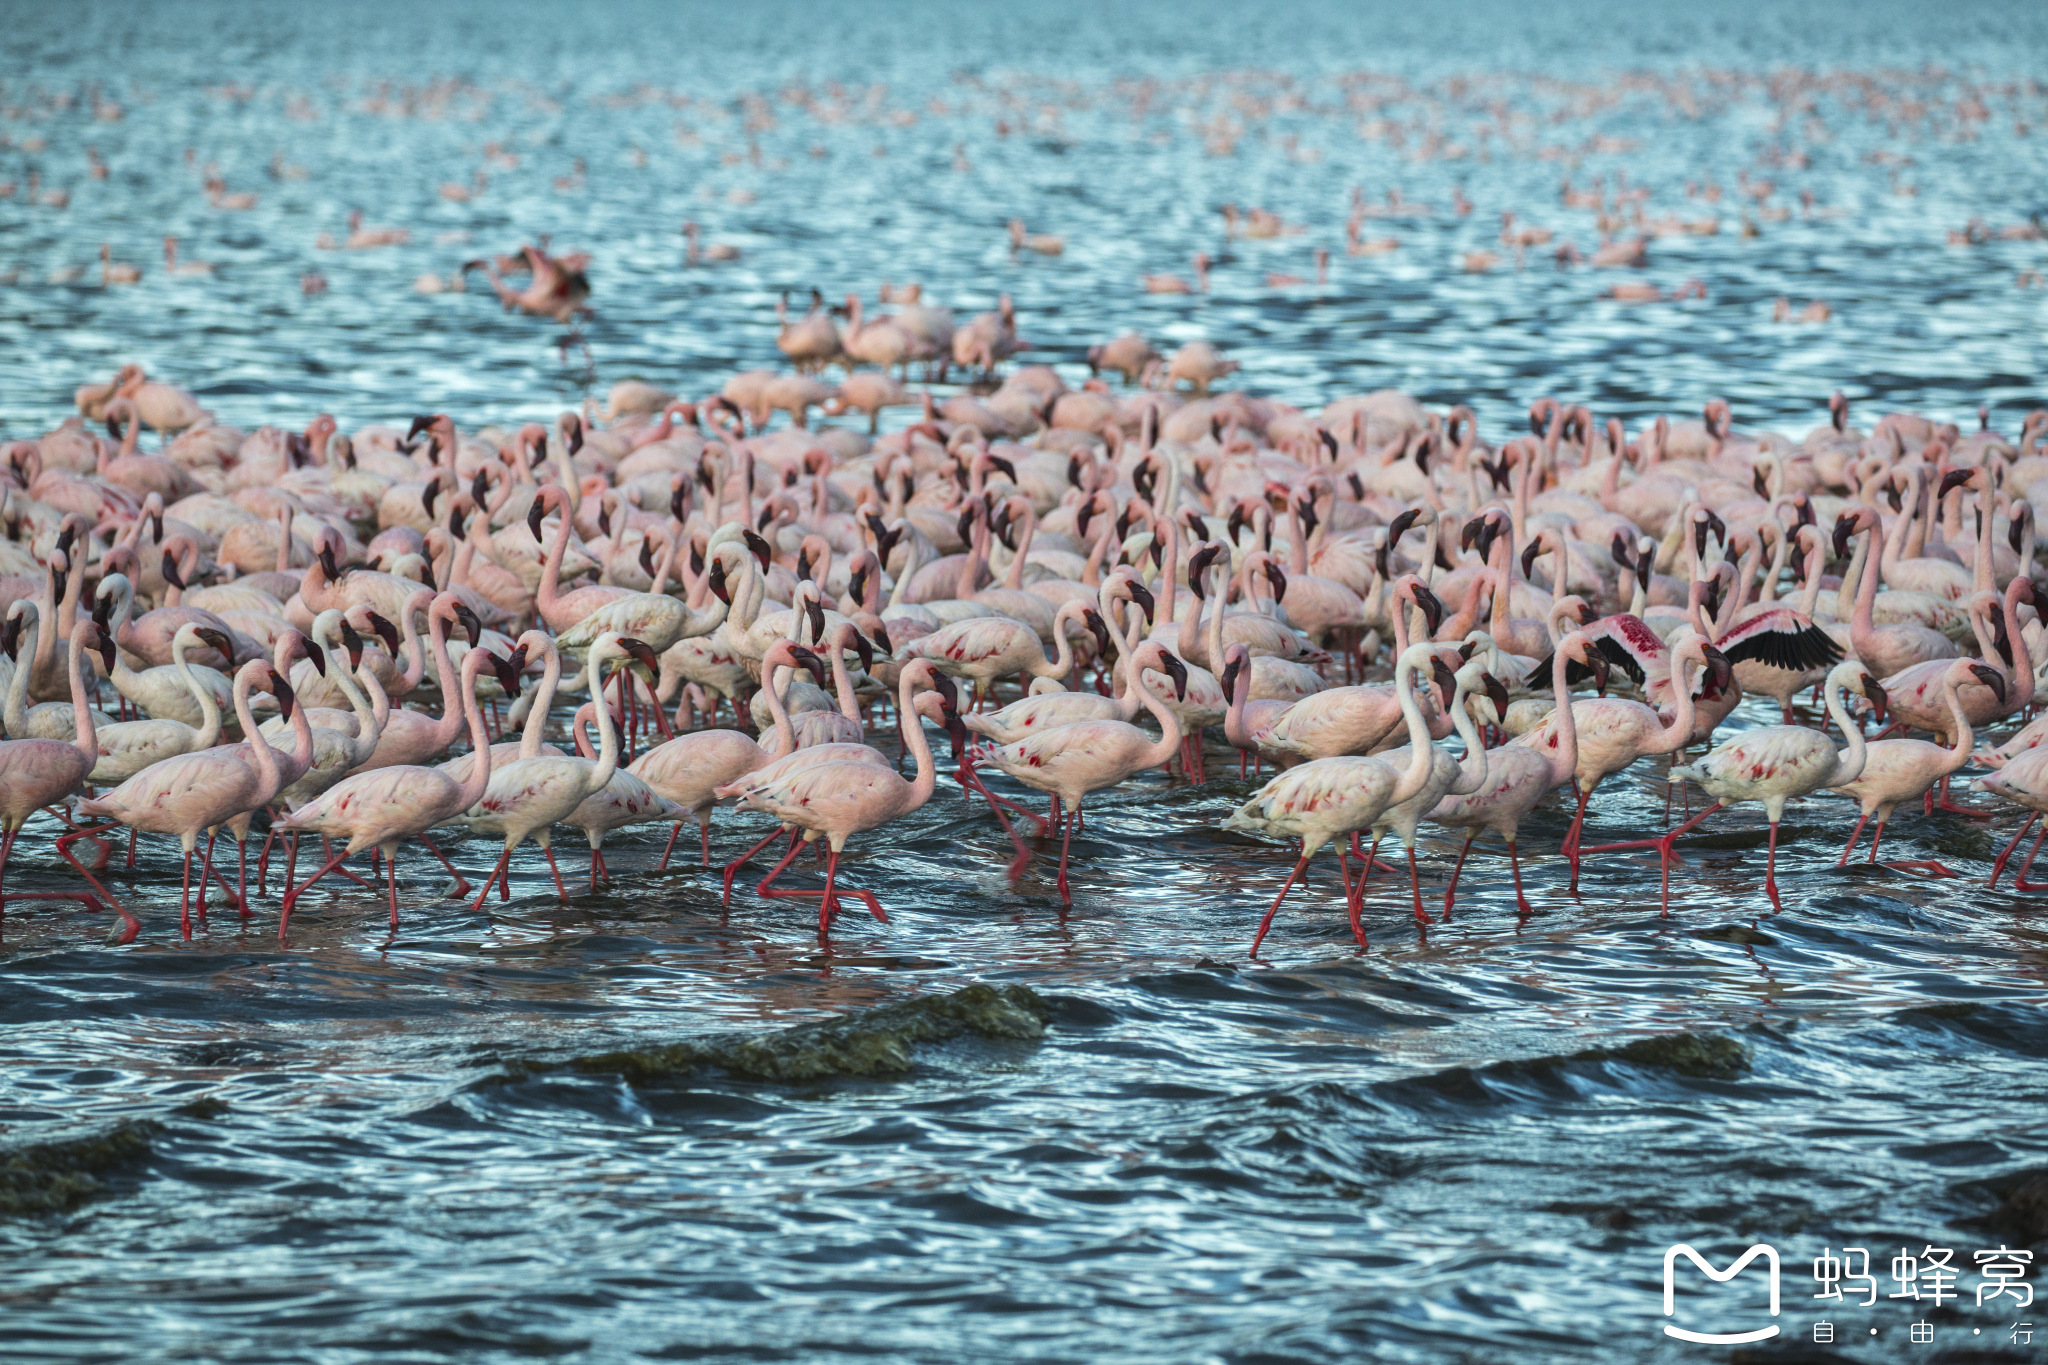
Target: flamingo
36, 772
622, 801
2023, 780
1888, 649
1899, 770
531, 794
1073, 760
384, 807
1518, 776
195, 792
838, 800
1773, 764
1331, 799
129, 747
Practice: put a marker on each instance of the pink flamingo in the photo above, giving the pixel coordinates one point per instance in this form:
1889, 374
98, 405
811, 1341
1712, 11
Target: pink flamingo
1518, 776
1899, 770
195, 792
1773, 764
841, 799
1331, 799
1073, 760
37, 772
2023, 780
384, 807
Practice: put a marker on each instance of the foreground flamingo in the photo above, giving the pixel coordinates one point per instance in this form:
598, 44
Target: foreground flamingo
1330, 799
845, 798
195, 792
1773, 764
1900, 770
384, 807
37, 772
2024, 782
1073, 760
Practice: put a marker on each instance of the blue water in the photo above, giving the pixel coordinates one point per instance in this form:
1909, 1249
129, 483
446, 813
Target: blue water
1327, 1155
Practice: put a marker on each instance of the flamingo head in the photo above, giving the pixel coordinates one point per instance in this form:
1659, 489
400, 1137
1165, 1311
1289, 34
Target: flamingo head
1236, 660
1170, 664
508, 669
1496, 692
100, 642
1142, 595
352, 643
1198, 569
386, 631
10, 635
716, 582
282, 690
760, 549
1105, 643
216, 640
1277, 576
640, 652
1873, 692
1529, 552
1992, 679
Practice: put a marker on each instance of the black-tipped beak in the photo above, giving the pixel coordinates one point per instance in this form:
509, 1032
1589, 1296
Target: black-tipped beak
1529, 553
809, 661
1231, 671
642, 653
760, 549
1100, 630
647, 556
286, 698
1618, 551
479, 488
1470, 532
857, 584
964, 528
1987, 675
1142, 595
1844, 528
218, 642
1278, 578
1445, 679
386, 632
815, 612
1009, 470
1873, 691
420, 424
507, 671
318, 656
534, 512
59, 581
676, 503
1602, 670
1176, 670
353, 644
604, 519
1497, 693
105, 646
429, 495
1432, 607
865, 650
471, 626
1955, 478
716, 582
10, 637
1400, 525
327, 565
949, 693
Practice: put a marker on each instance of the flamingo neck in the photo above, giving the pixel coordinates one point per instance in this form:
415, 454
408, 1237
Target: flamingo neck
1421, 750
472, 790
209, 706
1565, 757
920, 789
1014, 580
773, 681
450, 723
607, 734
1848, 762
87, 740
1169, 724
1961, 739
537, 714
1470, 778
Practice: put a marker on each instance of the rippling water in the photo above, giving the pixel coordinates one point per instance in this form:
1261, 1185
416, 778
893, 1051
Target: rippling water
1455, 1146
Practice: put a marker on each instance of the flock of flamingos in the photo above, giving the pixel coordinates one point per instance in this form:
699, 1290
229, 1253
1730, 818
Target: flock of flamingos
301, 625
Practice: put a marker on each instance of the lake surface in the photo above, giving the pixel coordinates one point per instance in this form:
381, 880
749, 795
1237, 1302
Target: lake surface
1456, 1146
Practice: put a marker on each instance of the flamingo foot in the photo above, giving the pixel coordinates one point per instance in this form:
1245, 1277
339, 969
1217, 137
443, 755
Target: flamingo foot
1928, 865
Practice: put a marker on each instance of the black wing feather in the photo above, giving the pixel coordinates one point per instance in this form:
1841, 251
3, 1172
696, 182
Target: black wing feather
1794, 651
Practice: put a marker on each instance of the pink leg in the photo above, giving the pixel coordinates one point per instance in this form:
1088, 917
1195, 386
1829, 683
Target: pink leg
291, 897
391, 889
1267, 922
1415, 885
85, 898
825, 905
2019, 881
732, 868
497, 874
1451, 891
1515, 862
561, 891
1857, 833
1066, 843
461, 882
670, 846
1571, 838
1956, 808
1997, 868
205, 875
131, 925
1771, 868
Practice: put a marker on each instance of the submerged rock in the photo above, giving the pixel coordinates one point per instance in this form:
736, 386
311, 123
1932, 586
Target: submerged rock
873, 1042
1707, 1056
51, 1177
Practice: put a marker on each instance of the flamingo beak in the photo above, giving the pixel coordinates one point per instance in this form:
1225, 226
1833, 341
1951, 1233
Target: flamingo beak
217, 641
816, 614
1873, 691
1845, 526
1497, 693
1955, 478
1009, 470
717, 584
965, 526
1176, 670
1432, 607
1529, 553
604, 520
865, 651
420, 424
59, 581
1602, 670
857, 584
386, 632
430, 495
534, 512
1229, 679
318, 656
1100, 630
1445, 679
479, 488
286, 698
105, 646
647, 556
471, 626
949, 693
642, 653
1142, 595
760, 549
1400, 525
810, 662
353, 643
327, 565
1992, 679
10, 637
1278, 578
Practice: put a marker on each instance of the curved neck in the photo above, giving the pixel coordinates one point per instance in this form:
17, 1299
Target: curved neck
1169, 724
1564, 758
773, 681
921, 788
1421, 751
1961, 740
842, 684
607, 733
549, 590
537, 715
1866, 590
87, 738
1470, 778
1677, 732
1849, 761
209, 705
17, 688
450, 723
264, 757
472, 789
1015, 578
370, 728
1809, 596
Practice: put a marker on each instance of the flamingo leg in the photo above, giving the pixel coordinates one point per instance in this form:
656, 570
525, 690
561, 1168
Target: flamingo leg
205, 875
1771, 868
2019, 881
1571, 837
825, 902
1415, 885
327, 851
498, 873
561, 891
732, 868
185, 897
1066, 843
461, 882
1451, 891
1515, 863
85, 898
131, 925
131, 846
1997, 868
1267, 922
263, 862
1956, 807
670, 846
391, 887
1857, 833
291, 897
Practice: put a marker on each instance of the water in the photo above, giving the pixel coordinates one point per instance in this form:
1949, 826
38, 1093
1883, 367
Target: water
1389, 1155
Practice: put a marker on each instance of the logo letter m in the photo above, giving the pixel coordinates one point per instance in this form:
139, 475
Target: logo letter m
1770, 1255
